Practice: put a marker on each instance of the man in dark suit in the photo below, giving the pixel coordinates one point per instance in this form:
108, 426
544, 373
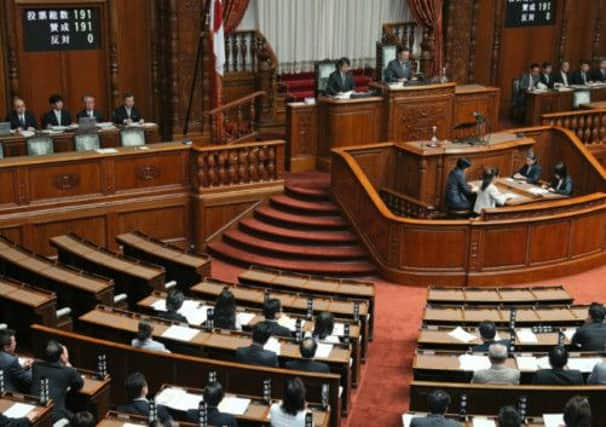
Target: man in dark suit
488, 332
136, 392
127, 113
600, 73
592, 335
563, 76
340, 80
174, 301
271, 310
557, 375
20, 117
308, 349
528, 83
546, 75
16, 377
61, 377
255, 354
438, 402
459, 195
57, 116
582, 76
531, 172
213, 395
400, 68
14, 422
89, 109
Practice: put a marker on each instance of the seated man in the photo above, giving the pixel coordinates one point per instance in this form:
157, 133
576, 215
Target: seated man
563, 76
213, 395
438, 402
255, 354
126, 113
20, 117
16, 377
57, 116
582, 76
598, 375
546, 75
509, 417
61, 377
308, 347
592, 335
498, 373
600, 73
136, 392
531, 172
488, 332
558, 375
271, 311
89, 109
400, 68
340, 80
459, 195
174, 301
144, 338
577, 412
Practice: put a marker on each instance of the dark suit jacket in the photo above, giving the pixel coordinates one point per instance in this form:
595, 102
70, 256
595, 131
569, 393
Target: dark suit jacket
60, 379
30, 120
458, 192
432, 420
172, 315
483, 348
277, 329
533, 175
396, 71
50, 119
577, 78
120, 115
336, 84
215, 418
590, 337
254, 354
558, 377
308, 366
599, 76
15, 377
547, 80
141, 407
13, 422
565, 187
97, 115
558, 78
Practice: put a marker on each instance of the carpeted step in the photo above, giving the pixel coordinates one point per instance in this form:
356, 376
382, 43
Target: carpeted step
228, 252
257, 245
275, 216
308, 193
318, 237
288, 203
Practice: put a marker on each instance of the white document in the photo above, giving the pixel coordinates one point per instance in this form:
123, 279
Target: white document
180, 333
569, 333
159, 305
105, 125
273, 344
244, 319
510, 195
27, 133
526, 336
553, 420
106, 150
18, 410
538, 191
344, 95
483, 422
178, 399
527, 363
473, 362
338, 329
289, 322
583, 364
333, 339
130, 425
194, 313
323, 350
234, 405
510, 179
462, 335
543, 363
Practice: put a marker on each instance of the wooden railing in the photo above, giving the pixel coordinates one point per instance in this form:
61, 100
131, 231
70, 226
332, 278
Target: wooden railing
235, 121
402, 33
589, 126
405, 206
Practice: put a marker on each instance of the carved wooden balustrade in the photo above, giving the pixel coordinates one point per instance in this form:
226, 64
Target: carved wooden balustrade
235, 121
403, 205
237, 164
588, 125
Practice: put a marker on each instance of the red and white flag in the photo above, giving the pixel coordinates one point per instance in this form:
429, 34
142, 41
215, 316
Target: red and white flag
216, 26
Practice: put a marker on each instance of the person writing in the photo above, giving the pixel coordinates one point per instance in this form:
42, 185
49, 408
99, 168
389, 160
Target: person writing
531, 171
489, 195
340, 81
561, 182
459, 195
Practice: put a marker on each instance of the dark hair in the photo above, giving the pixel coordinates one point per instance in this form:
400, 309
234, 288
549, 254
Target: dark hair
534, 65
82, 419
271, 307
488, 176
174, 300
564, 62
546, 64
261, 333
88, 95
225, 310
213, 393
577, 412
509, 417
308, 348
560, 169
145, 330
294, 396
488, 330
343, 61
558, 357
134, 385
438, 401
127, 95
402, 49
54, 98
53, 351
463, 163
5, 337
585, 62
597, 312
323, 324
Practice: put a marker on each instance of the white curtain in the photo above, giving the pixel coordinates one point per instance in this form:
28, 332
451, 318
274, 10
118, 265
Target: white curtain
304, 31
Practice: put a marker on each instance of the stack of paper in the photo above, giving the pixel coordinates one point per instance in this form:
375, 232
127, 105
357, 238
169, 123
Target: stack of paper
462, 335
18, 410
180, 333
178, 399
543, 363
289, 322
538, 191
323, 350
338, 329
553, 420
569, 333
244, 319
473, 362
159, 305
526, 336
195, 313
483, 422
527, 363
333, 339
273, 345
234, 405
583, 364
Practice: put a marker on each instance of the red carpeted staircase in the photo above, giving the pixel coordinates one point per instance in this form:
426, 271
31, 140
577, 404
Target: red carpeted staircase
300, 230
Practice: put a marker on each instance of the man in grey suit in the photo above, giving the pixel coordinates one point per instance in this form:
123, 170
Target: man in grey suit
528, 83
598, 375
498, 373
399, 69
144, 338
16, 377
438, 402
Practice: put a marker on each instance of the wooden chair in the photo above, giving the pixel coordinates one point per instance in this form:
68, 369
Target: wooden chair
40, 145
132, 137
88, 141
323, 70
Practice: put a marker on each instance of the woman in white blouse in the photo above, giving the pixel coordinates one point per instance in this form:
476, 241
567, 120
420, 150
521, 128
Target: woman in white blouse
489, 195
291, 412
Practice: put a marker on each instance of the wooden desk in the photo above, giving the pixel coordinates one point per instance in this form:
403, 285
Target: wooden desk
15, 145
185, 268
600, 105
94, 396
42, 413
539, 295
552, 101
522, 192
475, 98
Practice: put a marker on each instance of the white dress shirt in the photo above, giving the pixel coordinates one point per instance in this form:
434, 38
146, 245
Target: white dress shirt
279, 418
58, 116
564, 78
488, 198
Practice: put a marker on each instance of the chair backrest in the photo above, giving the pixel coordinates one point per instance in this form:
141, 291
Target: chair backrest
87, 141
1, 151
40, 145
132, 137
387, 52
323, 69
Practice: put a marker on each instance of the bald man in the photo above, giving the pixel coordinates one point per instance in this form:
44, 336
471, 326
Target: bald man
20, 117
88, 102
498, 373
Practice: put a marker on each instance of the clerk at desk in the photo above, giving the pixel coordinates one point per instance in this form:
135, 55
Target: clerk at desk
399, 69
531, 171
57, 116
561, 182
340, 80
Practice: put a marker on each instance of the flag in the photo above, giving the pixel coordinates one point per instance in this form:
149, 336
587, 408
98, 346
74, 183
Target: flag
216, 16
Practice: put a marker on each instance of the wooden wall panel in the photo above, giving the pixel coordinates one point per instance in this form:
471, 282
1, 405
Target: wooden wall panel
589, 235
153, 222
549, 241
414, 240
505, 255
91, 228
47, 182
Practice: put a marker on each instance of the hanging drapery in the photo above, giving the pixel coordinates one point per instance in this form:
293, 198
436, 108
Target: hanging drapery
233, 12
429, 14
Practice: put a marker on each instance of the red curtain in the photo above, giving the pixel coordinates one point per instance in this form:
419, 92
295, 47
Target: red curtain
233, 12
429, 14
